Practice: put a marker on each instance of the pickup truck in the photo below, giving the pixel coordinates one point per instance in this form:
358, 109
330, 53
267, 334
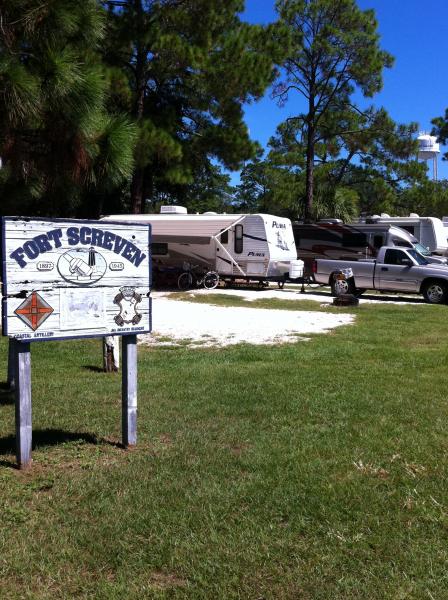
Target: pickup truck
393, 270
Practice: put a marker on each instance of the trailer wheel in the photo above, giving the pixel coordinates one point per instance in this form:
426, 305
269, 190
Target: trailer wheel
435, 292
342, 286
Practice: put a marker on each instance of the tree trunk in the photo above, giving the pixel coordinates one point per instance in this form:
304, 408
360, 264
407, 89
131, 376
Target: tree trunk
138, 111
309, 175
137, 191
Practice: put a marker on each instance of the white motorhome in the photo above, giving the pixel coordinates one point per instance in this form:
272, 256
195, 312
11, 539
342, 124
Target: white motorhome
331, 238
445, 226
429, 231
252, 247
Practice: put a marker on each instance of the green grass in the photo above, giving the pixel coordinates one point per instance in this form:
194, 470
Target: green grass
311, 471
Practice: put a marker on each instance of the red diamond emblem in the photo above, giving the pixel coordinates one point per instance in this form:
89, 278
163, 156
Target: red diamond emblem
34, 311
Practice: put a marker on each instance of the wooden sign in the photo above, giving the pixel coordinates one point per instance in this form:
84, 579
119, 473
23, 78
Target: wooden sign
67, 279
70, 279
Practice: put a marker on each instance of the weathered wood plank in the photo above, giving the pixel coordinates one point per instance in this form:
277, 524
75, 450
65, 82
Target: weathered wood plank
23, 403
129, 390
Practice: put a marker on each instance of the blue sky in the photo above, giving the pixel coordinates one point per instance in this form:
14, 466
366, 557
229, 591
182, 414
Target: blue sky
415, 89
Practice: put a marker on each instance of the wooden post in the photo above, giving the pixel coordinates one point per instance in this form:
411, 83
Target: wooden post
129, 390
11, 363
23, 403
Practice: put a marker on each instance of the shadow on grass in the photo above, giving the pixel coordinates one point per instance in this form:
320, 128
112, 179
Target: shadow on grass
380, 297
93, 369
6, 394
54, 437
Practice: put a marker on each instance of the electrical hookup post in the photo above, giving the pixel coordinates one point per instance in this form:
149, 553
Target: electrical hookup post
70, 279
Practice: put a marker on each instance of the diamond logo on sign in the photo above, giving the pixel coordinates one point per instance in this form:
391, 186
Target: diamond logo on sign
34, 311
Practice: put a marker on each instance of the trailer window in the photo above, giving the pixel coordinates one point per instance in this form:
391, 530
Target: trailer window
225, 237
238, 239
316, 234
159, 249
402, 243
354, 240
378, 241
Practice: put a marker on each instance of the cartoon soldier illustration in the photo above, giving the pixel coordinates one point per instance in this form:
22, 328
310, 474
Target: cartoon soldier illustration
127, 300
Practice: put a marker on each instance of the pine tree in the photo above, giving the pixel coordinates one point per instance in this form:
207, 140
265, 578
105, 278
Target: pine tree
362, 162
183, 69
440, 130
334, 51
57, 141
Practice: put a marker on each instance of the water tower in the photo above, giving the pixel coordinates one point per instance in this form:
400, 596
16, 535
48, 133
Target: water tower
428, 149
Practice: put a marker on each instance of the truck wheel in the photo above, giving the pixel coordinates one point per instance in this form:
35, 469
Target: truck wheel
435, 292
341, 286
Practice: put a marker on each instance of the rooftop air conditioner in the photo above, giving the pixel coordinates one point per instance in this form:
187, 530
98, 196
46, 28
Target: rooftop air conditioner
173, 210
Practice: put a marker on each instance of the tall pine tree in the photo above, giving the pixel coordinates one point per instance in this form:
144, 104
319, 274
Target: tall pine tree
58, 143
334, 51
183, 69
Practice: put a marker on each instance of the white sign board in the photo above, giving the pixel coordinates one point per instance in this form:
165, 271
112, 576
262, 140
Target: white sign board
70, 278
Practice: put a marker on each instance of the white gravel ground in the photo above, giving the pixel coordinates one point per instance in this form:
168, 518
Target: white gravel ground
202, 325
199, 325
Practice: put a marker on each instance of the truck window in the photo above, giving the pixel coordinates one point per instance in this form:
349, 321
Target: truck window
238, 239
418, 257
395, 257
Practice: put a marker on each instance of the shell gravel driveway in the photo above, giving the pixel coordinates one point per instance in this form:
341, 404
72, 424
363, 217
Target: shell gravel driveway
205, 325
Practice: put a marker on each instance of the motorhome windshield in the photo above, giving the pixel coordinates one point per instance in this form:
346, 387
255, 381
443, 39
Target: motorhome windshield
421, 260
422, 249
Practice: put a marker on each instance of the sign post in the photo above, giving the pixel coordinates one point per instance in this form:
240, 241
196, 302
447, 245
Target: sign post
23, 403
69, 279
129, 391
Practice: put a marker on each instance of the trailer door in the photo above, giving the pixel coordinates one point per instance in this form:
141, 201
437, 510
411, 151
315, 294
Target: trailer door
224, 263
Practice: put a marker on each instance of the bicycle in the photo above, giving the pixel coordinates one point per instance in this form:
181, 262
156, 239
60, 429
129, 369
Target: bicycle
189, 279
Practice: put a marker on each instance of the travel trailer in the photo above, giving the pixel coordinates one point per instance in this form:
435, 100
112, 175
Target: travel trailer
429, 231
256, 247
337, 240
